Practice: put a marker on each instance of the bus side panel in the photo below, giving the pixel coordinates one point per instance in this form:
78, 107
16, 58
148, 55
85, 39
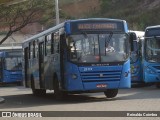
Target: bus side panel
72, 78
35, 73
151, 72
125, 81
56, 66
136, 70
48, 73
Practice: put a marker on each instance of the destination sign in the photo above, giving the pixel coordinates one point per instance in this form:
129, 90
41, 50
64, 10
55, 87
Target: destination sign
89, 26
96, 26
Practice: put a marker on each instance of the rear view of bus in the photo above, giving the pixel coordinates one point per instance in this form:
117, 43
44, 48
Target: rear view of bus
151, 47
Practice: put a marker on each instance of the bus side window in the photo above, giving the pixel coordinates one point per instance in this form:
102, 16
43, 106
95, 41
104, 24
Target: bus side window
29, 51
41, 51
45, 46
48, 44
52, 43
32, 50
36, 49
56, 43
33, 47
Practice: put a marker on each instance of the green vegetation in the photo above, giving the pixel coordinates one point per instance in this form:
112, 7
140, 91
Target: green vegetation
63, 2
138, 13
17, 16
3, 32
5, 1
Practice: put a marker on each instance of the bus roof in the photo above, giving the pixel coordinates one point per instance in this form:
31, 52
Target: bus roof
151, 27
10, 48
108, 19
50, 30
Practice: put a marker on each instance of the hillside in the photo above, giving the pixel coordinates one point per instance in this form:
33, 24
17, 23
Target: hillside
138, 13
80, 8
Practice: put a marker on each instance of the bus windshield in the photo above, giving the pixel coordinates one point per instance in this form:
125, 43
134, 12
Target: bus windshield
152, 49
13, 63
94, 48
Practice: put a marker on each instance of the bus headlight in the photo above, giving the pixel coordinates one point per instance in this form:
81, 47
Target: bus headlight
74, 76
149, 70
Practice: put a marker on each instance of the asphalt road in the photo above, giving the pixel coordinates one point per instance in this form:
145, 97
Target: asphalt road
138, 98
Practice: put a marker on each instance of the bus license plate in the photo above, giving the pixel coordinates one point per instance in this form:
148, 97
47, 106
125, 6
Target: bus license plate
101, 85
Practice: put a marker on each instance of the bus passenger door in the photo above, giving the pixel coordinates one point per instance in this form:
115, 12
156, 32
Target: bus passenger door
62, 60
41, 65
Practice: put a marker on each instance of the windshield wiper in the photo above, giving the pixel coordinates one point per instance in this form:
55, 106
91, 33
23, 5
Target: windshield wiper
85, 34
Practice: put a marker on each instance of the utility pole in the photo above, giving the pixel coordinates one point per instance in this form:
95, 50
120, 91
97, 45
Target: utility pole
57, 12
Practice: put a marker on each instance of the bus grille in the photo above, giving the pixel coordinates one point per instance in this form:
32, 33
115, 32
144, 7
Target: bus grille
101, 76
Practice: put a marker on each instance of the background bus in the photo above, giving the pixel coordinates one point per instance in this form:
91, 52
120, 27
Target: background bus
11, 63
72, 58
136, 57
151, 58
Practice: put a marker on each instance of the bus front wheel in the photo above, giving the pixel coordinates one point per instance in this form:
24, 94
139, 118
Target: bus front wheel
111, 93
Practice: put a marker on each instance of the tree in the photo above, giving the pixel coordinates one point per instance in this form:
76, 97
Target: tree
17, 16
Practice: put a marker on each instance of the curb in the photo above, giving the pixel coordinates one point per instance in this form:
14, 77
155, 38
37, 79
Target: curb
2, 100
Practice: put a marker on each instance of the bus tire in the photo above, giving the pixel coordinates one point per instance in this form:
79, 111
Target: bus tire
59, 94
111, 93
37, 92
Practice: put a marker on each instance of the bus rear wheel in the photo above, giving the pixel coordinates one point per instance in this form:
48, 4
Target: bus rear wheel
59, 94
111, 93
39, 92
36, 92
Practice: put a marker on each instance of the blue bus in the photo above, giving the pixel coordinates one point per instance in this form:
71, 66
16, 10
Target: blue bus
11, 65
136, 56
151, 58
77, 56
